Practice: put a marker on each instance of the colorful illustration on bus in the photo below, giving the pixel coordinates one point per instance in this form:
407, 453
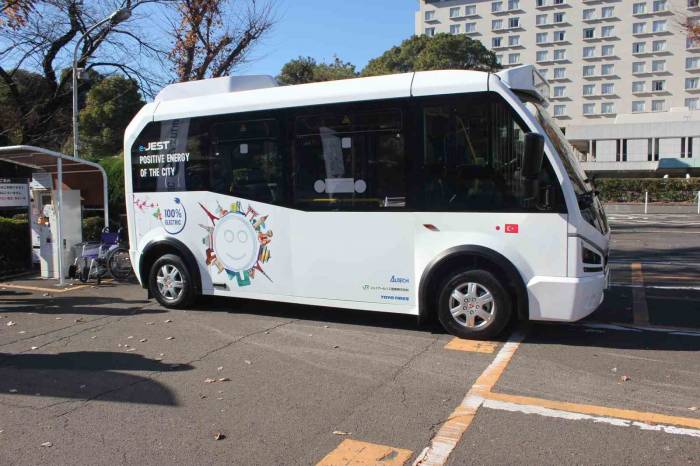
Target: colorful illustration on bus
237, 242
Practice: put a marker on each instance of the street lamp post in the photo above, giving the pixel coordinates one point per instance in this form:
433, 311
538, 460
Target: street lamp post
115, 18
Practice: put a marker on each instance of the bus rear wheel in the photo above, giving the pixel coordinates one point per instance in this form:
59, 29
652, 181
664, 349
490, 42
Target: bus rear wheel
474, 304
170, 282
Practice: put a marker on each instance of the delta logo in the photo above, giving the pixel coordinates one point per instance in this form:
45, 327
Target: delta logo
395, 279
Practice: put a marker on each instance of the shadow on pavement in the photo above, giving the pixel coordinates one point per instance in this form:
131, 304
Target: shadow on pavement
579, 335
86, 375
86, 305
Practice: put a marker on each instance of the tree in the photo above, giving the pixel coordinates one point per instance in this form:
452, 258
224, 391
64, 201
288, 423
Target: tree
109, 107
213, 37
114, 168
442, 51
42, 37
306, 70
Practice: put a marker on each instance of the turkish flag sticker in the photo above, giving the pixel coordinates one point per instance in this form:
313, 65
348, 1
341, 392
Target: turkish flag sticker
511, 227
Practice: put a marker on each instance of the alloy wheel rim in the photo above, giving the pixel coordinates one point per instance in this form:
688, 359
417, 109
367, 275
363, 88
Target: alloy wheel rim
170, 283
472, 305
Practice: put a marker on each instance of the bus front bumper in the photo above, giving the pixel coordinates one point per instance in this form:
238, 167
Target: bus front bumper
565, 299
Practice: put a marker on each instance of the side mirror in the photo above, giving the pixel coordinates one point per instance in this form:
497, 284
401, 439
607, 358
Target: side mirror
533, 156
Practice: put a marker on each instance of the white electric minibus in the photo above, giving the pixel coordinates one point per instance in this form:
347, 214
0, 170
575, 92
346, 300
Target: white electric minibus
446, 194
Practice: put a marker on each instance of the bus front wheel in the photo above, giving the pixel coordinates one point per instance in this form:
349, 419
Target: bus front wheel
474, 304
170, 282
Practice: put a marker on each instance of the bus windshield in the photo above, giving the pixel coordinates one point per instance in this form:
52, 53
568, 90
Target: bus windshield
563, 148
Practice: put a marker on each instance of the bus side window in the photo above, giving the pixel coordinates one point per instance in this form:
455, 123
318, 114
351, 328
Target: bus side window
350, 158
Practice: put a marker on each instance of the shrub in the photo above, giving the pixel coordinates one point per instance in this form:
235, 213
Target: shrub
15, 247
92, 227
659, 189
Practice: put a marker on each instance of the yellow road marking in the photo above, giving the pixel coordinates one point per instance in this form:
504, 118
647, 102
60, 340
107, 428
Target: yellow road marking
355, 453
474, 346
452, 430
639, 299
641, 416
45, 290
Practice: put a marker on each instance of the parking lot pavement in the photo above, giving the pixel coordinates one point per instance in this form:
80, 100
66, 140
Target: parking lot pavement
101, 375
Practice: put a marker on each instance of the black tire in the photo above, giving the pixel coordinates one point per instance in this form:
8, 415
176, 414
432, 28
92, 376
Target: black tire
475, 318
83, 269
175, 299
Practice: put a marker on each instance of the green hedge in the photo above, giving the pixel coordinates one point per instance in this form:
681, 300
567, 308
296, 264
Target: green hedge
15, 245
660, 190
92, 227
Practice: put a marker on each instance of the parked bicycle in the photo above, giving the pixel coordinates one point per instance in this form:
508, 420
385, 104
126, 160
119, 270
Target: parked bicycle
109, 256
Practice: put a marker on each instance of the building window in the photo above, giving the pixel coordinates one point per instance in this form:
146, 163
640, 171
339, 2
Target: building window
559, 91
639, 28
541, 20
638, 47
558, 17
430, 15
559, 2
455, 12
589, 33
542, 55
430, 32
513, 41
607, 31
559, 73
659, 6
588, 13
514, 22
607, 12
658, 105
588, 109
588, 89
541, 38
639, 8
497, 24
659, 45
513, 58
692, 83
588, 70
659, 25
607, 108
638, 106
658, 66
692, 63
588, 52
496, 7
560, 54
638, 86
543, 72
607, 50
499, 59
454, 28
607, 89
638, 67
693, 103
540, 3
607, 69
470, 27
496, 41
559, 36
513, 4
470, 10
559, 110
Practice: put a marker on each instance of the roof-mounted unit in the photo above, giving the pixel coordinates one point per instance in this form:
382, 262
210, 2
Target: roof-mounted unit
224, 85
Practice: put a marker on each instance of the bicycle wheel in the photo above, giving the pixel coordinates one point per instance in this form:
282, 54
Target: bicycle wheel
119, 264
83, 269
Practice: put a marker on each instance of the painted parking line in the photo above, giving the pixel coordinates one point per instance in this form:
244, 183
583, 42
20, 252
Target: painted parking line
472, 346
43, 290
446, 439
639, 300
356, 453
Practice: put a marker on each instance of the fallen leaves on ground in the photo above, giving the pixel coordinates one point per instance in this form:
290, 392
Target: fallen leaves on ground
47, 444
340, 432
10, 324
219, 436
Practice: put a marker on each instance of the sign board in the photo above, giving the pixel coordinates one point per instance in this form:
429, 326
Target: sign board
14, 195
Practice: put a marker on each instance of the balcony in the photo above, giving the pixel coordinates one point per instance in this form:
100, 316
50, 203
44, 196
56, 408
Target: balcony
646, 33
508, 12
551, 5
650, 13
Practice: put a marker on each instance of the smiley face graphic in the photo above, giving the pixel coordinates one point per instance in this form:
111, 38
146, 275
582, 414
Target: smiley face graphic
236, 242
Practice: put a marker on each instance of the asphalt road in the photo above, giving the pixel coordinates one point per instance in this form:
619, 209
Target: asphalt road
107, 377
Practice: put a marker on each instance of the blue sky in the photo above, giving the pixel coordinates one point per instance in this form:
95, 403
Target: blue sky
355, 30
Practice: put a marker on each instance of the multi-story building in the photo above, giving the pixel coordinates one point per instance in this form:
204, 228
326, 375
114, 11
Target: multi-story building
624, 75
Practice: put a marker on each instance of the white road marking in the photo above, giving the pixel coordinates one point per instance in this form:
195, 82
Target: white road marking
658, 287
637, 328
555, 413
